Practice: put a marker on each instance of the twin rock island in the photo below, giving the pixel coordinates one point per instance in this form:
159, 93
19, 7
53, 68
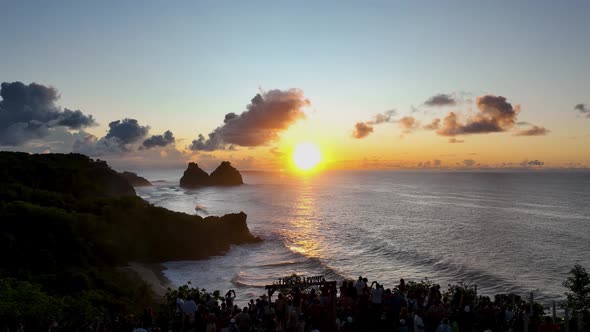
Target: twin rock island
194, 177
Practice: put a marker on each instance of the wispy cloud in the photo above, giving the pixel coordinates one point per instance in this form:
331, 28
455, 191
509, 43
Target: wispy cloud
533, 131
441, 99
583, 109
364, 129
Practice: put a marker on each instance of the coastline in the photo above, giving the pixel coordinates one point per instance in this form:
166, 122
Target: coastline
152, 273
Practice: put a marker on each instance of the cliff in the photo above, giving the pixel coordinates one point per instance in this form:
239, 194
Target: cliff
135, 180
224, 175
67, 222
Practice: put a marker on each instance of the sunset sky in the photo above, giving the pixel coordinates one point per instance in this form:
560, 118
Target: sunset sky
364, 81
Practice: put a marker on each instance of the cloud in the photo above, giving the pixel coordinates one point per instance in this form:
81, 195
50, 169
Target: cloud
361, 130
454, 140
127, 131
441, 99
532, 163
434, 125
583, 109
29, 112
268, 114
408, 124
383, 117
533, 131
158, 140
121, 134
469, 163
275, 151
364, 129
495, 115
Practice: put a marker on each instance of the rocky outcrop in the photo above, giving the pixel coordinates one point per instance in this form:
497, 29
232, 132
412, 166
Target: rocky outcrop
135, 180
224, 175
194, 177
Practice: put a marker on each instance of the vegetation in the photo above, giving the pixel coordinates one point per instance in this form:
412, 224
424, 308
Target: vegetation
578, 297
68, 222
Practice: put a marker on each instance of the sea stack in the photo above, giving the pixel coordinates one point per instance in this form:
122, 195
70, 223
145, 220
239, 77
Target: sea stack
226, 175
194, 177
135, 180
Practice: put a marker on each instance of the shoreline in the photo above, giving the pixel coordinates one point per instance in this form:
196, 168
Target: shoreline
153, 274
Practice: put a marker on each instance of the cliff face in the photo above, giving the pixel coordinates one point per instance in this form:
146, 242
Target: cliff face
224, 175
68, 222
135, 180
94, 215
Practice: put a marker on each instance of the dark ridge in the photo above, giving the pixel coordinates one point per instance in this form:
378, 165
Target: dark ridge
135, 180
67, 222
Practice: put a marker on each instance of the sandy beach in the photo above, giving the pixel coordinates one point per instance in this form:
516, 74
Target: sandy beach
152, 274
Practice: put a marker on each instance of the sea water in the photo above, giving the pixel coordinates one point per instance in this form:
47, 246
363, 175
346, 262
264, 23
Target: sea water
506, 231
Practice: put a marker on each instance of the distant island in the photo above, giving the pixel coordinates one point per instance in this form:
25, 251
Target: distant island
224, 175
68, 223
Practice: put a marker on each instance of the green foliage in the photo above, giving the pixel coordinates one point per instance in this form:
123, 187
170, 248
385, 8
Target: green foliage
23, 301
461, 292
67, 222
419, 288
578, 284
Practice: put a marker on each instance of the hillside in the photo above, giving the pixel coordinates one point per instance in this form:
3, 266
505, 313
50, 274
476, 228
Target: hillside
67, 222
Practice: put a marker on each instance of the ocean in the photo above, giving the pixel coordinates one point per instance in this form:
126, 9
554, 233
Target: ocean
506, 231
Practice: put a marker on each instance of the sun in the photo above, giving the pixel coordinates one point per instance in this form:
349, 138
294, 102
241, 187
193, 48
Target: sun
306, 156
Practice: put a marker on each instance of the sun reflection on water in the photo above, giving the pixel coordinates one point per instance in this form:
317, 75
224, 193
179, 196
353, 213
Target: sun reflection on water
303, 233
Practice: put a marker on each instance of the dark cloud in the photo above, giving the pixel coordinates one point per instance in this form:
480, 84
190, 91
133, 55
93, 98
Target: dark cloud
121, 134
454, 140
29, 112
582, 108
532, 163
363, 129
495, 115
533, 131
408, 124
266, 117
434, 125
441, 100
158, 140
127, 131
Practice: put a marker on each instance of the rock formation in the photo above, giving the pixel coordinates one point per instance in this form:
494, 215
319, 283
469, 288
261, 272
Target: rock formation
194, 177
134, 179
224, 175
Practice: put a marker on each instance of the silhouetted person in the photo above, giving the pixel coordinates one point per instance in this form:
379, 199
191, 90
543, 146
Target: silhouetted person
229, 297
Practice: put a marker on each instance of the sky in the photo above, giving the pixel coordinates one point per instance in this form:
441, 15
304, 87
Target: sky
364, 81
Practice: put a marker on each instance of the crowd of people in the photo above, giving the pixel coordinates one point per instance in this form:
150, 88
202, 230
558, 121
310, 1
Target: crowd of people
358, 306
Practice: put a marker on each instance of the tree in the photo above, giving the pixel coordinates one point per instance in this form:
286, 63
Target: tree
578, 298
